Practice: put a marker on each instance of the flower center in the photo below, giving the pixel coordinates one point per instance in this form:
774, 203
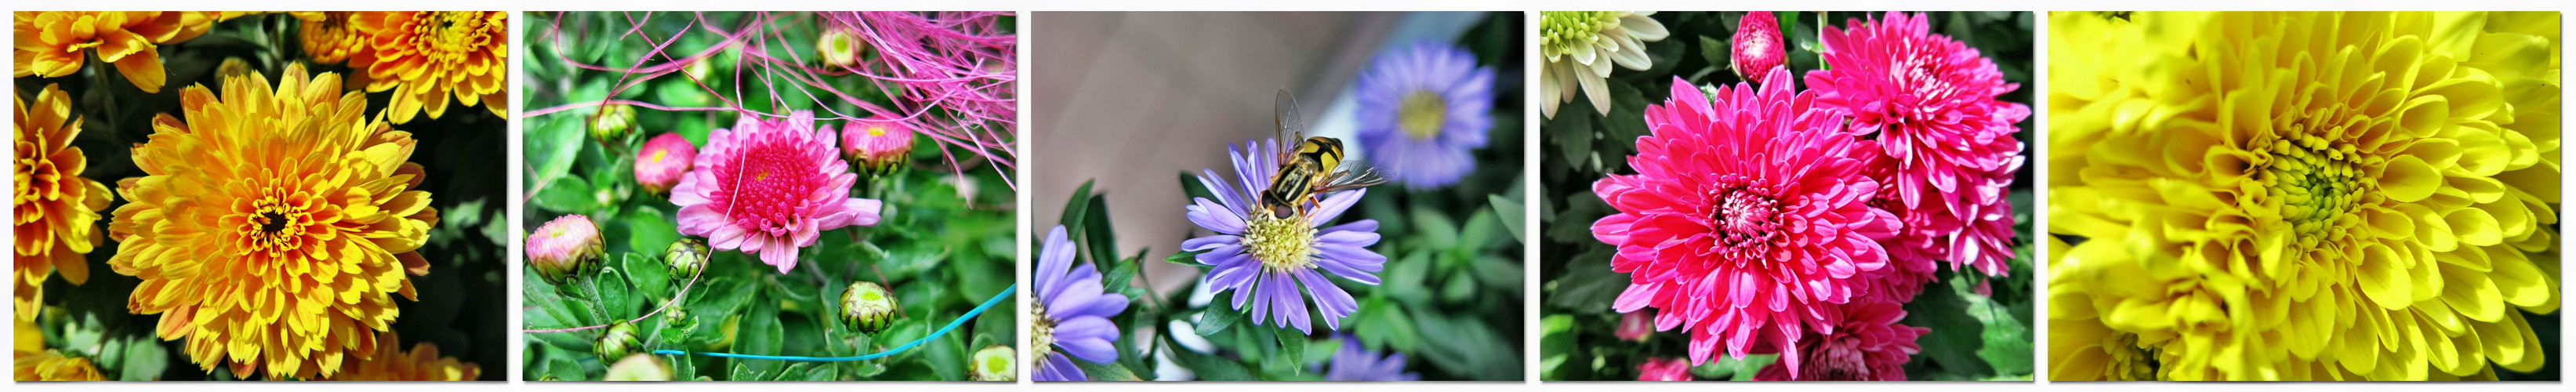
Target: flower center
1041, 332
658, 154
1836, 359
876, 130
2315, 182
1421, 113
273, 225
451, 35
773, 181
2128, 361
1558, 31
1282, 244
1745, 218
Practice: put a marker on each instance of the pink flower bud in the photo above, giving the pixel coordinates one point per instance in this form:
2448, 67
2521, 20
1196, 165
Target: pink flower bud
564, 248
662, 161
1664, 369
1634, 326
1757, 45
878, 145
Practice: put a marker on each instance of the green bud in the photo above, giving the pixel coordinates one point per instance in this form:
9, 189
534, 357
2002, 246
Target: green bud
867, 307
618, 342
993, 363
613, 123
686, 258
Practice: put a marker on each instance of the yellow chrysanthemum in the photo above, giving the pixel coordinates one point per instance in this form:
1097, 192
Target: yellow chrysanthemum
53, 43
31, 361
327, 37
426, 57
422, 363
57, 209
2283, 195
273, 225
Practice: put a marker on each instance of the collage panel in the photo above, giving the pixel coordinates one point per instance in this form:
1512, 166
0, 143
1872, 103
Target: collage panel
210, 196
1325, 196
1812, 196
771, 196
2304, 195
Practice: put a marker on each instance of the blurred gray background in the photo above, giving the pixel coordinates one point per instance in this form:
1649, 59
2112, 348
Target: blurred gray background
1131, 99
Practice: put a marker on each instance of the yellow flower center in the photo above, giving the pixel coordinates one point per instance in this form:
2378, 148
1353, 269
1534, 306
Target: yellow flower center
1559, 30
1041, 331
2128, 362
275, 226
2317, 184
1282, 244
451, 35
658, 154
1421, 113
876, 130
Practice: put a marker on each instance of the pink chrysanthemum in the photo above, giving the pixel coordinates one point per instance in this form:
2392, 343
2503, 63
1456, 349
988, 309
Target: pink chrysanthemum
1748, 218
1757, 47
770, 187
662, 161
1868, 346
1931, 102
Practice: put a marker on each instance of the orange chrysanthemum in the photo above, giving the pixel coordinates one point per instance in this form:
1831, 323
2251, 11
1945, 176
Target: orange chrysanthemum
273, 225
327, 37
57, 208
52, 43
421, 364
430, 56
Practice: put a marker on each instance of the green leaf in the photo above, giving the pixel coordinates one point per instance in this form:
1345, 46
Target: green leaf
1292, 344
1120, 272
1074, 208
552, 141
822, 373
1572, 131
565, 369
1467, 348
1101, 372
1955, 337
1556, 344
1191, 186
145, 361
1589, 285
650, 232
570, 196
1215, 319
1716, 51
1481, 230
1382, 325
1207, 367
648, 275
1187, 257
615, 297
1096, 232
760, 334
2006, 339
1510, 212
1730, 368
1438, 232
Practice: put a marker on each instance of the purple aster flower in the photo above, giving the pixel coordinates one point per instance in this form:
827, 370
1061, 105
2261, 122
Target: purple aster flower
1422, 110
1356, 363
1078, 326
1264, 259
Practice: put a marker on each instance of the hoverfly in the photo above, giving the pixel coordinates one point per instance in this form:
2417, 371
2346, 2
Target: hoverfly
1314, 166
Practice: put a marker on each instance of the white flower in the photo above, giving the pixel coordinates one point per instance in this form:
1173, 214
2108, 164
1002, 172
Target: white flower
1580, 47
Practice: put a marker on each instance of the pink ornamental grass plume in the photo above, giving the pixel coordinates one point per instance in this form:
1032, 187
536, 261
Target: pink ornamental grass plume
1930, 101
1757, 45
1869, 346
770, 187
1664, 369
1747, 220
662, 161
879, 145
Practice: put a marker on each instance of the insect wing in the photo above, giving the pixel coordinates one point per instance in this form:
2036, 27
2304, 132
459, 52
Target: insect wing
1291, 123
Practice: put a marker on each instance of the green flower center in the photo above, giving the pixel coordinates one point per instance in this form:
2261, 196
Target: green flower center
1421, 113
2316, 184
1558, 30
1281, 244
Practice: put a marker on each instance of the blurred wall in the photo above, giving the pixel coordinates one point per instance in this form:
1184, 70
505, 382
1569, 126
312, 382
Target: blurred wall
1132, 99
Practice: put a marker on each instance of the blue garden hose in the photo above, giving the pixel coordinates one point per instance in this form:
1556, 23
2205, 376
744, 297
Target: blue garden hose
952, 324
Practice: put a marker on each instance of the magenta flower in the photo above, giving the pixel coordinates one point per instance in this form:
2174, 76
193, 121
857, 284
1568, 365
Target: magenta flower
1757, 45
1664, 369
770, 187
878, 144
662, 161
565, 247
1930, 100
1869, 346
1748, 219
